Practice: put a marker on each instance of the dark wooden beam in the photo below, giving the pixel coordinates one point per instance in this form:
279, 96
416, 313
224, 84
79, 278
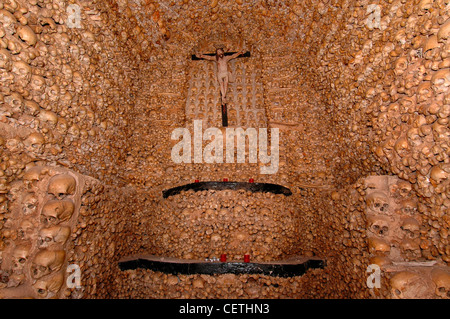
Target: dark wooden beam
245, 55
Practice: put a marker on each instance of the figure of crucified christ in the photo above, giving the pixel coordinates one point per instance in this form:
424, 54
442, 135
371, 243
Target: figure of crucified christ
223, 75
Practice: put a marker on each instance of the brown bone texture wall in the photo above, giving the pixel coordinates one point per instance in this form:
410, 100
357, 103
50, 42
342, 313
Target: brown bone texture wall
36, 236
359, 90
395, 231
207, 224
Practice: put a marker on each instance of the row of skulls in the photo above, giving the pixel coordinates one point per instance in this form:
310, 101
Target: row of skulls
394, 231
42, 210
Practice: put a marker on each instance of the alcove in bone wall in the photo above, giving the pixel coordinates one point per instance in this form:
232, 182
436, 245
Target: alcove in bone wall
245, 94
245, 97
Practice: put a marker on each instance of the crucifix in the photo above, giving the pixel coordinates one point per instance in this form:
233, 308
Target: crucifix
223, 75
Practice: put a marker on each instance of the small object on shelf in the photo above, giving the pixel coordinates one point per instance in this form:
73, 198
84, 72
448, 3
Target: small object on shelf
246, 258
223, 258
225, 179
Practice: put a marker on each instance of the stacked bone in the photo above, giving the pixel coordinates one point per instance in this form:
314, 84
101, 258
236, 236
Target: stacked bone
79, 97
395, 231
148, 283
392, 74
204, 225
43, 209
49, 68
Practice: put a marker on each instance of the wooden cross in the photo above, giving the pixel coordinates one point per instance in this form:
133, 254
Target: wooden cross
224, 105
245, 55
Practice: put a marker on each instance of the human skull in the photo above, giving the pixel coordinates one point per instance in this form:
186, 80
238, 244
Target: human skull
407, 285
379, 225
74, 50
16, 279
20, 257
14, 145
56, 235
440, 81
34, 143
26, 229
37, 84
441, 279
34, 173
74, 130
381, 261
27, 35
61, 185
375, 182
22, 73
31, 107
68, 72
403, 188
57, 211
63, 125
377, 202
9, 22
53, 93
49, 287
65, 99
46, 262
48, 117
379, 247
29, 203
410, 227
444, 32
408, 207
424, 92
431, 48
437, 174
15, 102
440, 131
401, 65
402, 146
413, 136
5, 60
410, 249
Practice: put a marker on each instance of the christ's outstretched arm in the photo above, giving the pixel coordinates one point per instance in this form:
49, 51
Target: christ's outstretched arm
206, 57
234, 56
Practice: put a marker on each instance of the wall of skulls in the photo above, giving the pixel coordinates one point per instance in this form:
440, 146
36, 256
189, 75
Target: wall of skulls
396, 233
356, 87
37, 229
395, 78
64, 94
61, 96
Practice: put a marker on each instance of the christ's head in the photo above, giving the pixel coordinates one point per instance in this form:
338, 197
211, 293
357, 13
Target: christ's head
220, 53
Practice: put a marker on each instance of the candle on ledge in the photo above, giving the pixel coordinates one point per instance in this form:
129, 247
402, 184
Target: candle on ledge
246, 258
